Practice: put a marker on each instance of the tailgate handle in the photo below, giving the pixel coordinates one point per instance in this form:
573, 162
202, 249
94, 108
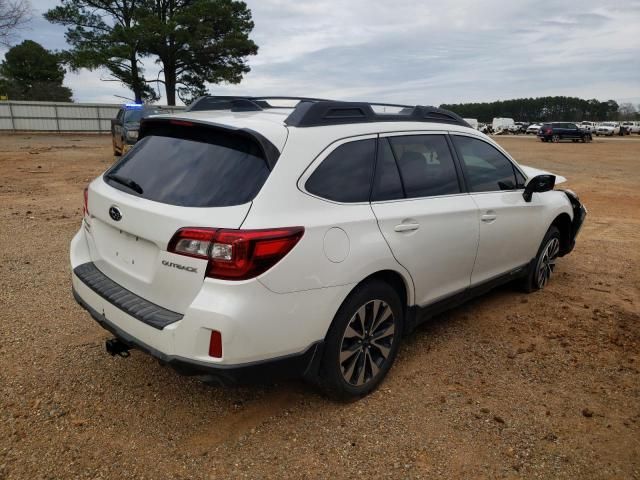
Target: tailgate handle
406, 227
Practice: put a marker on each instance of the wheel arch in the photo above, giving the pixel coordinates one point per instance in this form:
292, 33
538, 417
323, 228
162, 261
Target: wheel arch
397, 281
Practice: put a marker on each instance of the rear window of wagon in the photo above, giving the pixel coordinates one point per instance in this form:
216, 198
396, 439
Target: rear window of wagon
193, 167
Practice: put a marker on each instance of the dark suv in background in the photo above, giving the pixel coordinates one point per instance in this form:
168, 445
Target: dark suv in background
124, 128
556, 131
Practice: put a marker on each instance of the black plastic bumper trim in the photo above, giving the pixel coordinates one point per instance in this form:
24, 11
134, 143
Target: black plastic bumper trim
296, 365
579, 215
130, 303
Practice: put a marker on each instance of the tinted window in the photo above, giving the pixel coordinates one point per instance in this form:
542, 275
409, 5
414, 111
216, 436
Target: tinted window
223, 171
425, 164
132, 115
345, 175
487, 169
386, 184
136, 115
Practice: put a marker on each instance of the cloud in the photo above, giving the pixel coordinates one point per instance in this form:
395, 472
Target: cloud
424, 52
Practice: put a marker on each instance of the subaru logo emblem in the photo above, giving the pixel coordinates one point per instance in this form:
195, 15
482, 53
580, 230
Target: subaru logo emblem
115, 214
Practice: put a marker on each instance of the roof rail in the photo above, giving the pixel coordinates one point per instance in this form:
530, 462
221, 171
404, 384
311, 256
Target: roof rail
319, 113
242, 103
313, 112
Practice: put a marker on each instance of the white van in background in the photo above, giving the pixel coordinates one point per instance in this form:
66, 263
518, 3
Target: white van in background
502, 123
473, 122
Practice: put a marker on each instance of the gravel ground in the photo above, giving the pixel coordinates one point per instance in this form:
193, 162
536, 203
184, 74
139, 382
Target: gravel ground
510, 385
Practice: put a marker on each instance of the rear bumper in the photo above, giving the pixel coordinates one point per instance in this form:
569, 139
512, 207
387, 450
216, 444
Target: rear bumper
265, 335
303, 364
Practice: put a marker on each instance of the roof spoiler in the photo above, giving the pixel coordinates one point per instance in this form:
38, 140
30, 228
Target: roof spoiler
188, 129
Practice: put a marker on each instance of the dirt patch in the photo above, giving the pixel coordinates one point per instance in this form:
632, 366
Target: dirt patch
510, 385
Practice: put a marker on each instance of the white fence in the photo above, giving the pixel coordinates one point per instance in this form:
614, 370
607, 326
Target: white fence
58, 116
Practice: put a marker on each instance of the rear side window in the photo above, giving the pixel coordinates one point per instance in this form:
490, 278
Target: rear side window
210, 169
345, 175
487, 169
426, 165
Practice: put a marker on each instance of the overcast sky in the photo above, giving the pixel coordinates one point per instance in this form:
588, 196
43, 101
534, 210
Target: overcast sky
420, 52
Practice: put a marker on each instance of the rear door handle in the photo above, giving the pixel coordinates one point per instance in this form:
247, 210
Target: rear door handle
406, 227
488, 217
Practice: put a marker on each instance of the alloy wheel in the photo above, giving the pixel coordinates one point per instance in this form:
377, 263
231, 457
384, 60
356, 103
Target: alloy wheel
366, 342
555, 138
547, 262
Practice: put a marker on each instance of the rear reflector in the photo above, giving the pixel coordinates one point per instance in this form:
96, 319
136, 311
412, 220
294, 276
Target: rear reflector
236, 254
215, 344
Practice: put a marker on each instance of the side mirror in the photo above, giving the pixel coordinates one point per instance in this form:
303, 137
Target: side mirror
539, 183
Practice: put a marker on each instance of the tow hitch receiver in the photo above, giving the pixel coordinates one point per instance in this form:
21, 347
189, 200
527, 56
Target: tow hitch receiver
115, 347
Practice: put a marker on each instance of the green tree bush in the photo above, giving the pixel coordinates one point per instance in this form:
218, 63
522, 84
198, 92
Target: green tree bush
31, 72
194, 41
570, 109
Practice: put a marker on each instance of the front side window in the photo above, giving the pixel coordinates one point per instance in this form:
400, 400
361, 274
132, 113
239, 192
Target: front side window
345, 175
486, 168
425, 164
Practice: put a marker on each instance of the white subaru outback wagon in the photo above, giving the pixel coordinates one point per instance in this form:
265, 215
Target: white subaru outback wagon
262, 238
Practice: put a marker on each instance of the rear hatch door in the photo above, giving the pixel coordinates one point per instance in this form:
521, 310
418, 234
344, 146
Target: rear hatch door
176, 176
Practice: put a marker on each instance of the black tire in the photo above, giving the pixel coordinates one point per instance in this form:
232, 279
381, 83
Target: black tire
333, 380
532, 281
555, 138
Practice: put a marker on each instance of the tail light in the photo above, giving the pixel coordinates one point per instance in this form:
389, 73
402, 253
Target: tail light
236, 254
85, 205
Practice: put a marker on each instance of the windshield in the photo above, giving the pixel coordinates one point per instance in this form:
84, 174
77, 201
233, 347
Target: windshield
609, 124
136, 115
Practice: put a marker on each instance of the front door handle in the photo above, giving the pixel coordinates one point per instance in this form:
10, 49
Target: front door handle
488, 217
406, 227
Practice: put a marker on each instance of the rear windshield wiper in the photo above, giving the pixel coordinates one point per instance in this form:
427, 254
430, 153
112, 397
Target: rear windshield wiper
127, 182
